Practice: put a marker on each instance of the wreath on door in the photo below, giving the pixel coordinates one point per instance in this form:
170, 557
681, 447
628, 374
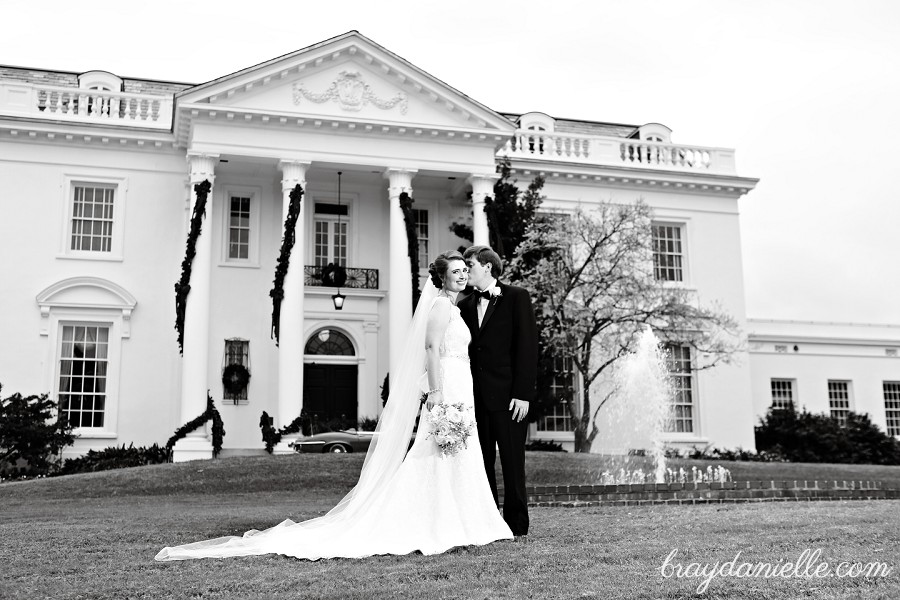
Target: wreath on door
235, 378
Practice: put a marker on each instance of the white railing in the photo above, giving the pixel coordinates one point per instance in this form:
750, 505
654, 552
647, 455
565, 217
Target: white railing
86, 106
613, 151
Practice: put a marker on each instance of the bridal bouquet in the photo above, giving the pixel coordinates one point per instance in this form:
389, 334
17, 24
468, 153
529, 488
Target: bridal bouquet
451, 426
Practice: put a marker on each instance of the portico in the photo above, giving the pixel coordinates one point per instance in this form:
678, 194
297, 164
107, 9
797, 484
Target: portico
347, 106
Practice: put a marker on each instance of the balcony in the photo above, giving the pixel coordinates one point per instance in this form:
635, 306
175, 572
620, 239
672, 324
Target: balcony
617, 152
76, 105
366, 279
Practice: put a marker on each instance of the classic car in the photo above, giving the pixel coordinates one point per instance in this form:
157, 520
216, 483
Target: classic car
347, 440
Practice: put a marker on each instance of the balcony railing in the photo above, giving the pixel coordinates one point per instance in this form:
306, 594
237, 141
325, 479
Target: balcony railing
85, 106
356, 277
613, 151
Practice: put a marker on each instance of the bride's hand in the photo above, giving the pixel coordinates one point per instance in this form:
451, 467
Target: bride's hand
434, 399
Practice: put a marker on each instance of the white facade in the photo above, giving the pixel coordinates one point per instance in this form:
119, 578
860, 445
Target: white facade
347, 105
827, 368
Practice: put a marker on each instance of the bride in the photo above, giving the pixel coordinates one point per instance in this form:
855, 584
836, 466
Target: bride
403, 502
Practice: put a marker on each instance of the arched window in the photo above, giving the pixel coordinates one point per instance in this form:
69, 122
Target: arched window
329, 342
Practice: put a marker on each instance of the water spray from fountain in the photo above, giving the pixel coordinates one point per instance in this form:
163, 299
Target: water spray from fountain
636, 414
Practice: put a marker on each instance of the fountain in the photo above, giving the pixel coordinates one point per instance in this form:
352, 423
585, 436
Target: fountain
634, 417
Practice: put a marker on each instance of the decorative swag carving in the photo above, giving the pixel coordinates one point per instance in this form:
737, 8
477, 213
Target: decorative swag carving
351, 94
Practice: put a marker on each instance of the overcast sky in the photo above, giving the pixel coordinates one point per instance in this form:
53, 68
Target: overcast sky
807, 91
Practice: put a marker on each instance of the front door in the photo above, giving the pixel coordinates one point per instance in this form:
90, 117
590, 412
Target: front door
329, 395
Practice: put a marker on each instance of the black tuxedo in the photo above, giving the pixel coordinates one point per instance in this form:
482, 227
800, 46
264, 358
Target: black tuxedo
503, 352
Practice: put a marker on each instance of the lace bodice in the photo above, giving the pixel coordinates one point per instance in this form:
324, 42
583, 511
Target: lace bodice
457, 337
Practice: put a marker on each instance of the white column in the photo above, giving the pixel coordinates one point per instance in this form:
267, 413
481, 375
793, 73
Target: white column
482, 187
195, 353
399, 276
290, 337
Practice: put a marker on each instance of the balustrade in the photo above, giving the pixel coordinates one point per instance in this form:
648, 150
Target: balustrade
613, 151
85, 105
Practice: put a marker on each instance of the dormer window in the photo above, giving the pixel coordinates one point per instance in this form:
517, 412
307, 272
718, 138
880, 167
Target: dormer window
536, 122
655, 132
100, 80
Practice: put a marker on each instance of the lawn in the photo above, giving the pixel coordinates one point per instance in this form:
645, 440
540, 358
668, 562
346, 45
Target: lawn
94, 537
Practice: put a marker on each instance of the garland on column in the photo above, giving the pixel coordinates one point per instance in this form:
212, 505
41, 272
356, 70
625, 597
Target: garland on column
284, 258
412, 244
271, 437
183, 286
494, 238
218, 427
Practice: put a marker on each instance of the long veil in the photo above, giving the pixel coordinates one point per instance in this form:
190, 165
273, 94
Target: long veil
386, 452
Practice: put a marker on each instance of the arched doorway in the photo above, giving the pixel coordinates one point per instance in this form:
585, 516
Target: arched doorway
330, 380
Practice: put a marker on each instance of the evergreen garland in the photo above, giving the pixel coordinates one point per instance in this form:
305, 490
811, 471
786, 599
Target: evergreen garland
218, 427
284, 258
412, 244
271, 437
183, 286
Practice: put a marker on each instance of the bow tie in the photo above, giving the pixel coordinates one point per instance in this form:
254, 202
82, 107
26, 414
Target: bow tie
485, 295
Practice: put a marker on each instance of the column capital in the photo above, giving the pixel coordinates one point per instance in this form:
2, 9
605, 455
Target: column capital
203, 166
293, 173
482, 185
400, 180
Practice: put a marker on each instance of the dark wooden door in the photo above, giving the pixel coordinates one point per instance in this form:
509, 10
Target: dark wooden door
329, 393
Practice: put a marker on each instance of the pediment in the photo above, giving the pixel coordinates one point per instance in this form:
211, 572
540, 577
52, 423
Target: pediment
86, 292
348, 78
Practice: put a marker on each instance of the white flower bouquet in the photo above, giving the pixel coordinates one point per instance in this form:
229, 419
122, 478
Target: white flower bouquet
451, 426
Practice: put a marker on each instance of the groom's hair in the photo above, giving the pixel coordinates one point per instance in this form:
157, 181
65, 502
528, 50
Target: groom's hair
485, 255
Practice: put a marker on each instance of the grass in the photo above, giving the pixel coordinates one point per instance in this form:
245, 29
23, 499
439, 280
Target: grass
94, 536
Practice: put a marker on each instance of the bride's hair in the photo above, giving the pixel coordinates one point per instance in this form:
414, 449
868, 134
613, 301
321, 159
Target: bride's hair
438, 268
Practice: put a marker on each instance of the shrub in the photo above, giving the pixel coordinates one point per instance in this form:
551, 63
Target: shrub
808, 437
115, 457
738, 454
544, 446
31, 436
367, 424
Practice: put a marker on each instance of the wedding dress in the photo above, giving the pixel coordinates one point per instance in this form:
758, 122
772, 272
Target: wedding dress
422, 502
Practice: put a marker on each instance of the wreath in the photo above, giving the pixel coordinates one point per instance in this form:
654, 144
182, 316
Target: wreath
235, 378
334, 275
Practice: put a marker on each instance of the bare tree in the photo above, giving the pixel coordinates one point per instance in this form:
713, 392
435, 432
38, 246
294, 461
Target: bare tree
591, 276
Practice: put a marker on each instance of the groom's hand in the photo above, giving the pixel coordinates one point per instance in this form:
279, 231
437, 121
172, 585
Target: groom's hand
519, 409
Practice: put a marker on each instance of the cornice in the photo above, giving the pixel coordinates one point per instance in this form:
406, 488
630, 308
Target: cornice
29, 131
659, 180
186, 115
756, 338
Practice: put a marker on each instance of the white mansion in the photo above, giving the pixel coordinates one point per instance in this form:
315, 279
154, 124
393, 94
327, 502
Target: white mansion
98, 177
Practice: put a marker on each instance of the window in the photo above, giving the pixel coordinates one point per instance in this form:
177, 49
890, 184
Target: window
85, 321
678, 362
330, 342
83, 367
562, 387
421, 219
237, 352
668, 253
92, 217
240, 231
330, 234
239, 228
782, 393
839, 400
892, 407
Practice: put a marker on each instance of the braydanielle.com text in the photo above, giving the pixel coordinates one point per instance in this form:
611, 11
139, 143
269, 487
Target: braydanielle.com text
807, 565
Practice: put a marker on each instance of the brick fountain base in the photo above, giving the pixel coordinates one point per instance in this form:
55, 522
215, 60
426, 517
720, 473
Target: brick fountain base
705, 493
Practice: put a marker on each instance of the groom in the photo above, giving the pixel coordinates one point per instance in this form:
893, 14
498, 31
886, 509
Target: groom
503, 352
